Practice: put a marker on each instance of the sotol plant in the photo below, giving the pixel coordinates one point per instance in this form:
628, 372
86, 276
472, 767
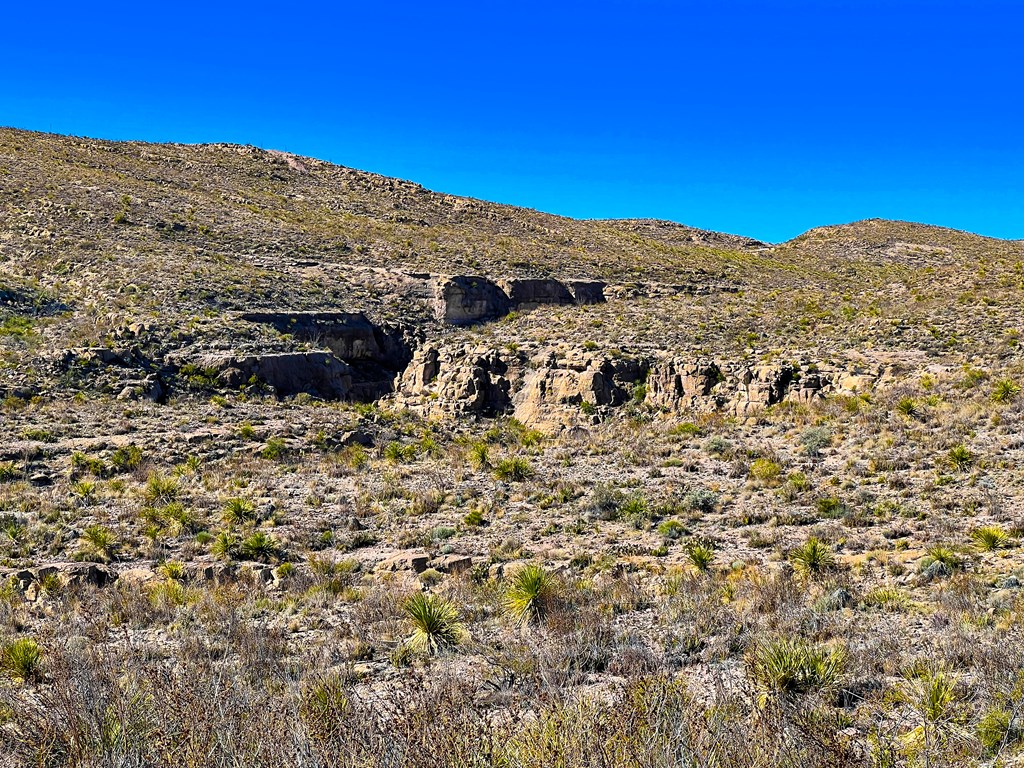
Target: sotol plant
786, 668
435, 624
812, 558
531, 595
21, 659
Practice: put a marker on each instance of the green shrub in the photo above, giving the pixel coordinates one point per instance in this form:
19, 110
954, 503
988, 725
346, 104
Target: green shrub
766, 471
126, 458
274, 449
701, 554
907, 406
701, 500
98, 543
479, 456
260, 546
672, 529
224, 546
815, 439
160, 489
238, 510
960, 457
990, 537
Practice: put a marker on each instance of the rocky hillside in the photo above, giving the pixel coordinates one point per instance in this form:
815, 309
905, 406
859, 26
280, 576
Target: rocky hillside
301, 465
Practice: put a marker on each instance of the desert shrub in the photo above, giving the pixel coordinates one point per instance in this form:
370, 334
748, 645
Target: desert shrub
605, 502
435, 624
960, 457
765, 470
275, 448
160, 489
260, 546
815, 439
224, 546
1005, 390
701, 554
636, 512
126, 458
702, 500
479, 456
98, 543
672, 529
908, 406
531, 595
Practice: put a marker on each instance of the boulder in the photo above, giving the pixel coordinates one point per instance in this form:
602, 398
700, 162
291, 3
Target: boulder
409, 560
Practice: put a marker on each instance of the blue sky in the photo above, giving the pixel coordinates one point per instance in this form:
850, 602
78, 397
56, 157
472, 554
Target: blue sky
749, 116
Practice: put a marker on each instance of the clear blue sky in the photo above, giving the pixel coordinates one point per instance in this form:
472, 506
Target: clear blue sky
759, 117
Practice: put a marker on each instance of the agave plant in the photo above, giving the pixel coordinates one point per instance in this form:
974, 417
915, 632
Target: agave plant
531, 595
435, 624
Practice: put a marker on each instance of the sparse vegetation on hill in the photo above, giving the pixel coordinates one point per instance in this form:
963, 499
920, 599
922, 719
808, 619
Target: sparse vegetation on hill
300, 465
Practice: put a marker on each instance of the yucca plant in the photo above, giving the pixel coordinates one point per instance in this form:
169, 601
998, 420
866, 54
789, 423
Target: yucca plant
960, 457
942, 555
812, 558
238, 510
161, 489
786, 668
261, 546
531, 595
514, 469
1005, 390
224, 545
990, 537
21, 659
701, 554
907, 406
98, 543
435, 624
479, 456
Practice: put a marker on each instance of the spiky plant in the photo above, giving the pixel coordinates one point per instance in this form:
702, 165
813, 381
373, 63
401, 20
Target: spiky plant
261, 546
907, 406
21, 659
701, 554
238, 510
812, 558
531, 595
514, 469
960, 457
785, 668
944, 556
98, 543
161, 489
435, 624
990, 537
1005, 390
224, 545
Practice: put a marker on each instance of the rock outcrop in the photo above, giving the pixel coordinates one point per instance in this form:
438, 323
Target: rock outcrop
288, 373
